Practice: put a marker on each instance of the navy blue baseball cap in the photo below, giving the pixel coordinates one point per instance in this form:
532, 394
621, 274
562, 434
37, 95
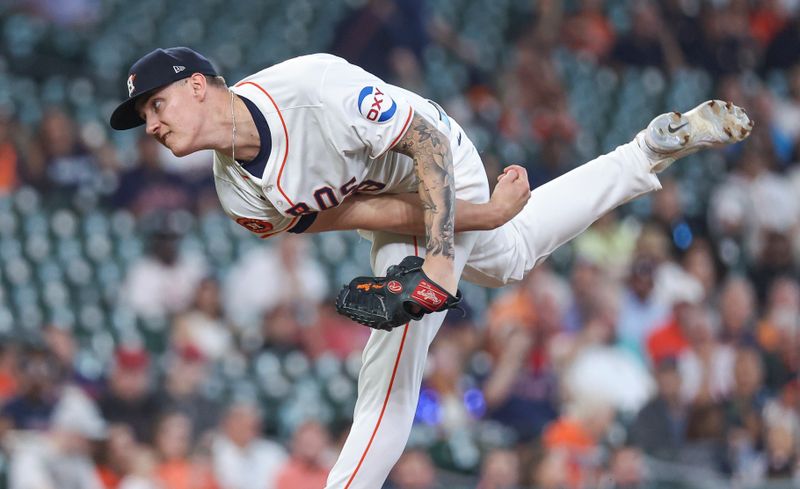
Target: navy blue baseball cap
152, 71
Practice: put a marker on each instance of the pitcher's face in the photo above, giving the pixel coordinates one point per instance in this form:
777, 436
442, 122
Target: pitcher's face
172, 116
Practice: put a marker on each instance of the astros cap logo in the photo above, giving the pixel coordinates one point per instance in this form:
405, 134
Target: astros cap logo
376, 105
131, 88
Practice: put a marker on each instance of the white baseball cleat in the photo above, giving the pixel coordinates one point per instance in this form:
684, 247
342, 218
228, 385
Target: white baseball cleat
674, 135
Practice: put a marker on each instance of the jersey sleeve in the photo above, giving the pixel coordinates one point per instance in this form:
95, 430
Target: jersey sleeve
362, 111
259, 218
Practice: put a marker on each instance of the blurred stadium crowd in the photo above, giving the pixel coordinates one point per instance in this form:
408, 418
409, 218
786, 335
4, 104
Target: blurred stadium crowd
148, 342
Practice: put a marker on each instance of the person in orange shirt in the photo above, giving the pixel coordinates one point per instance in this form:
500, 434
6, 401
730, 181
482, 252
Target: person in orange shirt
311, 459
9, 156
9, 371
176, 470
670, 340
113, 455
577, 434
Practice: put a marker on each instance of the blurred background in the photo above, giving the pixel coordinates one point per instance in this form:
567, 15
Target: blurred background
147, 342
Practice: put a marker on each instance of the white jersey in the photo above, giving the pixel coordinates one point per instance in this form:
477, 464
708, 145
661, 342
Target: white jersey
332, 125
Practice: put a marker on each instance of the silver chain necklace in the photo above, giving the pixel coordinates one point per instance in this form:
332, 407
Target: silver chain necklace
233, 132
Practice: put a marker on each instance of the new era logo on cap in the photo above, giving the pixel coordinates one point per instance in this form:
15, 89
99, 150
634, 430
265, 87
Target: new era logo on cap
178, 69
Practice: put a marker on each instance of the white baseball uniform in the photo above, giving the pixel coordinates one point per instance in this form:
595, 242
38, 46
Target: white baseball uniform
331, 126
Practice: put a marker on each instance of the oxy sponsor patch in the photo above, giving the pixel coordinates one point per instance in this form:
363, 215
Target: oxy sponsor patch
376, 105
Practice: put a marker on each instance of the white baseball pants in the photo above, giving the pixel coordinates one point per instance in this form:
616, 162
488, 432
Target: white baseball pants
393, 362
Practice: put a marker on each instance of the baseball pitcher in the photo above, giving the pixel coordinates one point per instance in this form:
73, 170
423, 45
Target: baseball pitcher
315, 144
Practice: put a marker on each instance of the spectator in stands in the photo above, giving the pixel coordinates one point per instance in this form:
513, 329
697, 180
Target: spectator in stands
737, 310
763, 104
414, 470
248, 291
283, 331
163, 281
128, 398
204, 326
784, 405
585, 278
786, 111
706, 366
500, 470
588, 32
241, 457
142, 473
781, 450
767, 19
61, 343
370, 35
670, 339
186, 372
779, 53
61, 160
627, 469
752, 201
654, 243
705, 444
728, 45
60, 340
640, 312
699, 262
310, 460
39, 391
176, 469
521, 389
685, 22
782, 414
60, 458
650, 42
778, 333
579, 432
538, 111
743, 422
591, 365
670, 215
441, 400
599, 326
334, 334
551, 472
114, 456
775, 259
660, 427
556, 156
148, 188
609, 242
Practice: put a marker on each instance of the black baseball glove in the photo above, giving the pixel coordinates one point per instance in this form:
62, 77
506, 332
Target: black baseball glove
403, 295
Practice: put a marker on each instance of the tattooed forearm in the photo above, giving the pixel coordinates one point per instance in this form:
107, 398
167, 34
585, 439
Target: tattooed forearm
430, 150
